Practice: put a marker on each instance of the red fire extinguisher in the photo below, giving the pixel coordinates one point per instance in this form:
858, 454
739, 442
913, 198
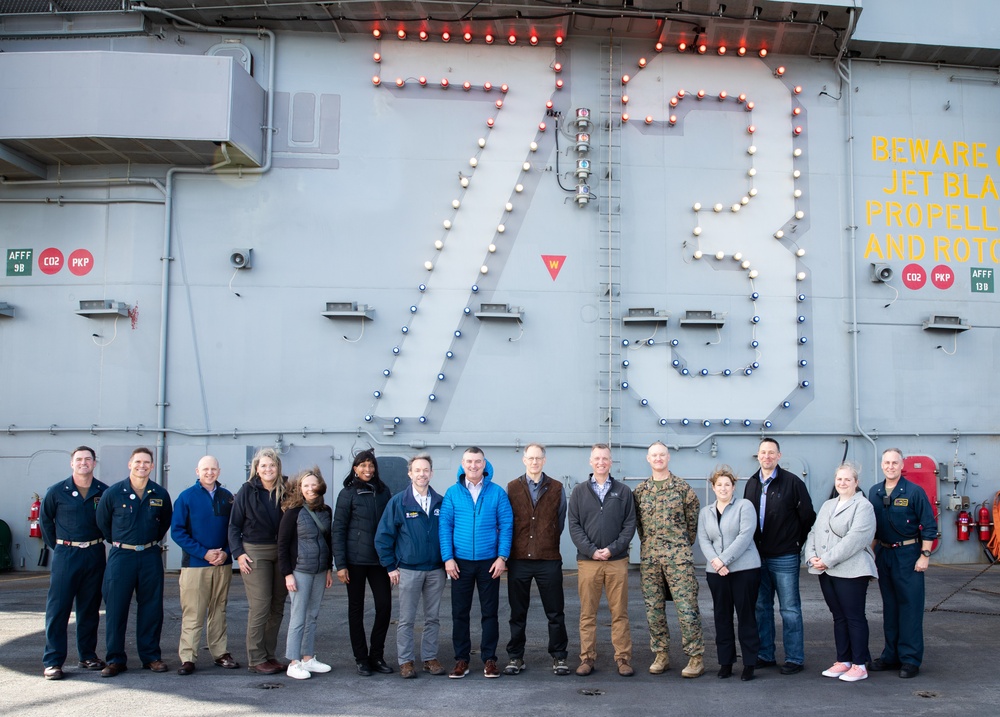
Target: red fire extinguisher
34, 526
984, 524
963, 525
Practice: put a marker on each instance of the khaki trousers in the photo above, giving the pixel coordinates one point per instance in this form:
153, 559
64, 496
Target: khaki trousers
204, 594
266, 593
595, 577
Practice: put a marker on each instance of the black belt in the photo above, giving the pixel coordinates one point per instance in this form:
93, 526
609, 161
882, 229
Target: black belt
911, 541
78, 543
136, 548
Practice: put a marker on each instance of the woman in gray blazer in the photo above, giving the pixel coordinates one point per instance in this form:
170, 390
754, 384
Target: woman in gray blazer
838, 549
725, 535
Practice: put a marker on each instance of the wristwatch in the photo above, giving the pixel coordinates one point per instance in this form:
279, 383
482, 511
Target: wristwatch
925, 553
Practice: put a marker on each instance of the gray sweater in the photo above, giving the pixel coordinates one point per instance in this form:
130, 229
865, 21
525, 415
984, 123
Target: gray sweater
842, 539
730, 538
594, 525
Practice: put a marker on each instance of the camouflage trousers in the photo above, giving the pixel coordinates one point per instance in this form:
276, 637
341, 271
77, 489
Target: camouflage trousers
655, 576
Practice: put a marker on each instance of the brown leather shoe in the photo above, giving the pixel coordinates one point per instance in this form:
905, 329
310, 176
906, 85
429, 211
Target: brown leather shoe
155, 666
186, 668
279, 664
95, 663
585, 668
407, 671
434, 667
265, 668
460, 671
490, 669
114, 669
624, 669
53, 672
228, 662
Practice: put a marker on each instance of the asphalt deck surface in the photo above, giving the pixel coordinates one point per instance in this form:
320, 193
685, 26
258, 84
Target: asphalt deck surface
959, 674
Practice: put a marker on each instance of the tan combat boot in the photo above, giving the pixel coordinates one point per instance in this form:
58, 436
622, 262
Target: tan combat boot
661, 664
695, 667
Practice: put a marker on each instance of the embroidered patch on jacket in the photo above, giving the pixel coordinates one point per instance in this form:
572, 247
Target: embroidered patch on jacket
901, 502
155, 502
412, 514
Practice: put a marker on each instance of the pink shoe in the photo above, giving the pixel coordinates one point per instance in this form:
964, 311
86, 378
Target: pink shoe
858, 672
838, 669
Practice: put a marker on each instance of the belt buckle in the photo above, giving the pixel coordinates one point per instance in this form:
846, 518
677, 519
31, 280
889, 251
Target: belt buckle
140, 548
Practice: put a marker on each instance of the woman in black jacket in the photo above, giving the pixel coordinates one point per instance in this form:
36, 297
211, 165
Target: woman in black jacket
253, 539
359, 508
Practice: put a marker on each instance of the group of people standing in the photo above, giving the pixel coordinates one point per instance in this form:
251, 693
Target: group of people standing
287, 541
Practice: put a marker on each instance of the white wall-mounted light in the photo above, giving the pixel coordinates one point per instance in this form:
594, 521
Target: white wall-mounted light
241, 258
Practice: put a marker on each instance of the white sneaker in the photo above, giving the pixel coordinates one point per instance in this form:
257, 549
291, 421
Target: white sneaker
858, 672
838, 669
314, 665
297, 671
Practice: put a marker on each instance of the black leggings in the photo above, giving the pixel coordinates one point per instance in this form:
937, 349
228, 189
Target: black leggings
378, 578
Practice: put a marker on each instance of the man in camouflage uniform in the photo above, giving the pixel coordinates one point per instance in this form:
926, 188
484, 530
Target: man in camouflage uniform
667, 521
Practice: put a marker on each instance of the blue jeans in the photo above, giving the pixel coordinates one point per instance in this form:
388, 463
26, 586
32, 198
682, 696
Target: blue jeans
780, 575
308, 595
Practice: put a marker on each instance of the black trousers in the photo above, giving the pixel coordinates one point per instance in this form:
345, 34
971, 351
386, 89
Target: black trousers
737, 591
377, 578
846, 599
549, 579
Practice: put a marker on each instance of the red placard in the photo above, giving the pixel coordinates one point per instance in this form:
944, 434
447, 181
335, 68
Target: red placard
81, 262
914, 276
50, 260
942, 276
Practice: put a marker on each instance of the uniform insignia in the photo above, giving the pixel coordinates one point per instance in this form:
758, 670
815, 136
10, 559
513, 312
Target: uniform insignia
901, 502
412, 514
156, 502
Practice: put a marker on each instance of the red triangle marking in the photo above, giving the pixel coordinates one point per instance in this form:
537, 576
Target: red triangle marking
553, 262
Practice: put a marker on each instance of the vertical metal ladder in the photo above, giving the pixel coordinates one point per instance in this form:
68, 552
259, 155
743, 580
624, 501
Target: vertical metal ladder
608, 170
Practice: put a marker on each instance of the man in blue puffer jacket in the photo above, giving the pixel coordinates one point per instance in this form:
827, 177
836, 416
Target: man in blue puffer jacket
476, 528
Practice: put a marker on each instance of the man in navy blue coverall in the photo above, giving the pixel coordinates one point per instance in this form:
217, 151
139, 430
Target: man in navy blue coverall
69, 528
134, 515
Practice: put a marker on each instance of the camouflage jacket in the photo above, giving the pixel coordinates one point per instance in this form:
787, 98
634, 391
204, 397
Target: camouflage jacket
666, 517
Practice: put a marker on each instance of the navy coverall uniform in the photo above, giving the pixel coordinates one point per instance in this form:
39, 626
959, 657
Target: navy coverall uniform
134, 526
906, 517
69, 528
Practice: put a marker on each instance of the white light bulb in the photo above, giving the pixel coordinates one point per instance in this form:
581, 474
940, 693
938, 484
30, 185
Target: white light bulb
745, 200
752, 172
717, 208
797, 193
428, 265
492, 248
753, 192
526, 166
799, 214
778, 234
720, 255
473, 162
482, 142
753, 273
484, 269
738, 256
455, 204
464, 182
439, 245
752, 149
796, 174
797, 152
697, 206
696, 231
501, 229
509, 207
518, 188
800, 252
698, 254
801, 276
745, 265
447, 223
533, 146
736, 207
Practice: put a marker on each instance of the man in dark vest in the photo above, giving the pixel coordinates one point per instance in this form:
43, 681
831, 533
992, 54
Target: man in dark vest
539, 505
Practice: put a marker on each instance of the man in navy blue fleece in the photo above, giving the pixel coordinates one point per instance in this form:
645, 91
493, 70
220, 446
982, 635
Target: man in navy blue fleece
200, 526
476, 527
